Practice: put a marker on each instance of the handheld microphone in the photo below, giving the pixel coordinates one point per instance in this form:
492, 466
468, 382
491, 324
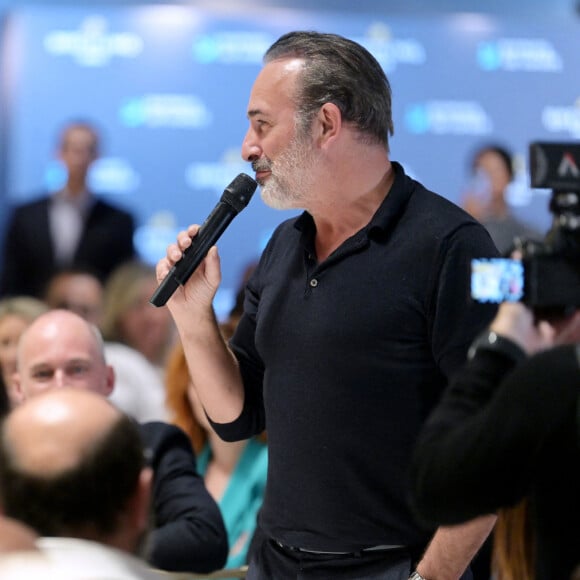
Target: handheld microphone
234, 199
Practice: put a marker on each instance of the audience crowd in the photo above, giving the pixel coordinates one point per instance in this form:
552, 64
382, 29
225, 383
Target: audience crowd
108, 461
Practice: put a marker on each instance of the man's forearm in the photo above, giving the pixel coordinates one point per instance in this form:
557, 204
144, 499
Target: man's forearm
453, 547
213, 368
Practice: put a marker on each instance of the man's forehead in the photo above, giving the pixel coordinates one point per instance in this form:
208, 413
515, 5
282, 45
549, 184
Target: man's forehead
275, 79
281, 70
44, 355
78, 132
53, 335
66, 361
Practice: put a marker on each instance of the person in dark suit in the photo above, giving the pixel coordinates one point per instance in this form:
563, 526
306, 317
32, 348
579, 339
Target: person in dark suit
70, 228
62, 350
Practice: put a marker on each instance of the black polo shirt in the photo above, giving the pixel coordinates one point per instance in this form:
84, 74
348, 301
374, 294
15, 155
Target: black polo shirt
343, 360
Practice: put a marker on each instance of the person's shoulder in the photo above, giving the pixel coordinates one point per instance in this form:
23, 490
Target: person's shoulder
160, 429
37, 202
439, 212
28, 565
431, 199
103, 561
159, 436
525, 229
561, 356
423, 200
103, 206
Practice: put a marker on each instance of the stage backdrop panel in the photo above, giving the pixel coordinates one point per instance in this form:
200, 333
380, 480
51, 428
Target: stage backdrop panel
169, 85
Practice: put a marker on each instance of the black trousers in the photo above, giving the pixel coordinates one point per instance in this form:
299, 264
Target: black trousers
270, 561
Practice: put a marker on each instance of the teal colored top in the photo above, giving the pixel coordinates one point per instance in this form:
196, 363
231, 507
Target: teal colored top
242, 498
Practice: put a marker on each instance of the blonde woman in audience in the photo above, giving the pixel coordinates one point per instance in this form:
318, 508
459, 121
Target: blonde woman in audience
129, 318
16, 314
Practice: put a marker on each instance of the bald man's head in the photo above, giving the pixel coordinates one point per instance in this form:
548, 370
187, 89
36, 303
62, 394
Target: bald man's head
71, 464
61, 349
52, 434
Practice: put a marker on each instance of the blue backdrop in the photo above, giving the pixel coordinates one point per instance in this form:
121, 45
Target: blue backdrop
169, 87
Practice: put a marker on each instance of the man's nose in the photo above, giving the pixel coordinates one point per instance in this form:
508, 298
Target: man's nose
250, 147
60, 379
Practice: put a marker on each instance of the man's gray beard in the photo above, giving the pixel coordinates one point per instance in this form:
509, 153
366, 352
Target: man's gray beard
289, 183
275, 195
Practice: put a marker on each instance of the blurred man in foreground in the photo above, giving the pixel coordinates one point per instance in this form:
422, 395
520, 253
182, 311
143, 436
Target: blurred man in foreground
60, 349
72, 468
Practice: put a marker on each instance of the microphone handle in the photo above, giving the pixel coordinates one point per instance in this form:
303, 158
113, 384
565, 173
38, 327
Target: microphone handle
206, 237
165, 290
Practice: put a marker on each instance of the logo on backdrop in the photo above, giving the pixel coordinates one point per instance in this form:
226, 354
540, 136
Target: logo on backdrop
448, 118
519, 54
170, 110
231, 47
211, 176
92, 45
152, 238
390, 51
557, 119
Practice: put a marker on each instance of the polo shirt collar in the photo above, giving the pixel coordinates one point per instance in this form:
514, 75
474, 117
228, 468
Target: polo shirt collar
388, 213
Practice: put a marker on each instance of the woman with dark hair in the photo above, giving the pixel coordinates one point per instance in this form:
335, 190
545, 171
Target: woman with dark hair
486, 198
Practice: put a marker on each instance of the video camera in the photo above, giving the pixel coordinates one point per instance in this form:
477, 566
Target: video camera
547, 278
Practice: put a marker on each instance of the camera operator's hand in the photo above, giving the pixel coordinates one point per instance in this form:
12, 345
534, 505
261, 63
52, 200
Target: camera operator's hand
516, 322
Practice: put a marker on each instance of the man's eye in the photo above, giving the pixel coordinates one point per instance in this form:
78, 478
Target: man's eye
42, 375
78, 370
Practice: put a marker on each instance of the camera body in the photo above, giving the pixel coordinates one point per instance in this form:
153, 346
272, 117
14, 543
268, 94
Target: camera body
547, 278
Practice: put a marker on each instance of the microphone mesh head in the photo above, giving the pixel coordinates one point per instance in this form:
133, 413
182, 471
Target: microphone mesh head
239, 192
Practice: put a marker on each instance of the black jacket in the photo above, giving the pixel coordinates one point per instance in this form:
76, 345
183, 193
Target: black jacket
28, 251
188, 530
502, 432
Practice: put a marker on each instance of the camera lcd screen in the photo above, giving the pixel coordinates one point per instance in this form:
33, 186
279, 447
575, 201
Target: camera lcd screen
497, 280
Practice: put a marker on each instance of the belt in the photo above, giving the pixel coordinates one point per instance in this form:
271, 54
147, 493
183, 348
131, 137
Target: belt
382, 548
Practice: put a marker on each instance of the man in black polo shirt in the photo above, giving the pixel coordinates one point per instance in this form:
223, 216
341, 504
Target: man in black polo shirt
354, 319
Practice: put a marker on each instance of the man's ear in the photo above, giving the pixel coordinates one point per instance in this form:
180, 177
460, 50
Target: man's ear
109, 380
140, 504
14, 390
329, 123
